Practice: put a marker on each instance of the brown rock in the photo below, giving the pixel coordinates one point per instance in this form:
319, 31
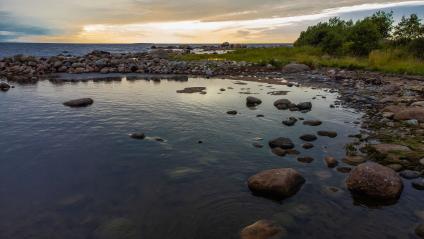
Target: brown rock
375, 181
406, 113
312, 122
279, 183
330, 134
263, 229
305, 159
387, 148
354, 160
331, 162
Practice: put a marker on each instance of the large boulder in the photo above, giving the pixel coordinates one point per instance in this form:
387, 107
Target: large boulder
281, 142
262, 229
294, 67
278, 183
375, 181
253, 101
79, 102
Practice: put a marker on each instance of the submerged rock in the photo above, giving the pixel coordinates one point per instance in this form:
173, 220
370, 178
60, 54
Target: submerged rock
418, 184
279, 152
290, 121
253, 101
281, 142
118, 228
232, 112
312, 122
409, 174
375, 181
279, 183
263, 229
331, 134
190, 90
138, 135
308, 137
305, 159
83, 102
307, 145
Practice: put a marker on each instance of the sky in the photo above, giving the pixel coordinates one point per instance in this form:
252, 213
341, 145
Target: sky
179, 21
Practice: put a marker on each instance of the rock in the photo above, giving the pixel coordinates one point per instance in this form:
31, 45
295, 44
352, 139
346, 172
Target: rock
422, 161
294, 67
406, 113
412, 122
396, 167
279, 152
290, 121
4, 86
388, 115
260, 116
354, 160
305, 159
292, 152
409, 174
418, 184
138, 135
387, 148
191, 90
331, 162
419, 230
263, 229
118, 228
83, 102
330, 134
282, 104
344, 169
232, 112
307, 145
418, 104
253, 101
308, 137
304, 106
279, 183
375, 181
312, 122
257, 145
281, 142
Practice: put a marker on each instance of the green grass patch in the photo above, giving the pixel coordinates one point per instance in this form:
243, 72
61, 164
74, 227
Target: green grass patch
389, 60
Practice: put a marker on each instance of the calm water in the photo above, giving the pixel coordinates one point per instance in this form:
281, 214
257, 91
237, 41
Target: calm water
53, 49
66, 172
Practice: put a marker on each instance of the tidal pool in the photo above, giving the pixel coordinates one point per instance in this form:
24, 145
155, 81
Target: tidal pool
74, 172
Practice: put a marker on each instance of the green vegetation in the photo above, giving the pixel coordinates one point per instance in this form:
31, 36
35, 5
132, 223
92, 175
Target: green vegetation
372, 43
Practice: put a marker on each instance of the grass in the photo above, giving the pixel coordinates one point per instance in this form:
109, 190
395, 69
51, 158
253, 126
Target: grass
388, 60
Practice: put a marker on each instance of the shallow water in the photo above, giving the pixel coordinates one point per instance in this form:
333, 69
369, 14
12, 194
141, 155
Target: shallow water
66, 172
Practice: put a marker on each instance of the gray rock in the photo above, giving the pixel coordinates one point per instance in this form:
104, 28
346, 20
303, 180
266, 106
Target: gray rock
290, 121
409, 174
418, 184
253, 101
282, 104
4, 86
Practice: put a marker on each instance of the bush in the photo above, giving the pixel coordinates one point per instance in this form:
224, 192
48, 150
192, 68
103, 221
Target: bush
365, 37
416, 47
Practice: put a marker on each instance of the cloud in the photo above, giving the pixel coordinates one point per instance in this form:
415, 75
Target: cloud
181, 21
10, 29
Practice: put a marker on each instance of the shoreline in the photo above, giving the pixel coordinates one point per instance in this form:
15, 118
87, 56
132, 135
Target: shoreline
393, 105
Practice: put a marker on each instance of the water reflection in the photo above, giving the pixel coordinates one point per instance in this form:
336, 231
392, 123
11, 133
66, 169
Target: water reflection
75, 173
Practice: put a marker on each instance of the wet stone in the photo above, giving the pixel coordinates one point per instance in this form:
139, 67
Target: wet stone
308, 137
305, 159
409, 174
331, 162
263, 229
418, 184
281, 142
307, 145
232, 112
138, 135
312, 122
330, 134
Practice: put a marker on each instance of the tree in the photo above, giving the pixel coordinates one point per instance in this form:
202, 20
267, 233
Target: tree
384, 22
365, 37
408, 29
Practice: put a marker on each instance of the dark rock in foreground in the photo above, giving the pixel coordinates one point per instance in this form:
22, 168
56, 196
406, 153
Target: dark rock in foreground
262, 229
253, 101
79, 102
277, 183
375, 181
281, 142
